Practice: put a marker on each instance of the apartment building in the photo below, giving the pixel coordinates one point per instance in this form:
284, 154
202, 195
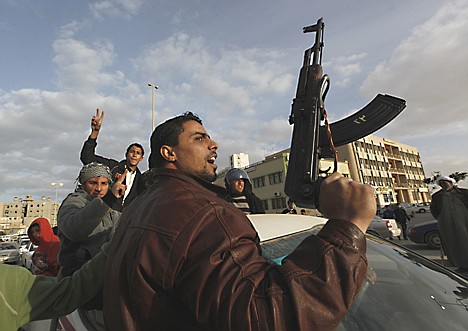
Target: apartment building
394, 169
240, 160
22, 211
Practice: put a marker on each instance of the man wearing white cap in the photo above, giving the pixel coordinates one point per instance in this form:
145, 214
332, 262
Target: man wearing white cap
450, 207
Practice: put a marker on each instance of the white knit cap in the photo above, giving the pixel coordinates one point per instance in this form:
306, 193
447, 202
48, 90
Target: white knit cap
446, 178
94, 169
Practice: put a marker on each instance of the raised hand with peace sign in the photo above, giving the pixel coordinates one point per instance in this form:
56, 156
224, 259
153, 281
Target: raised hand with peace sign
96, 122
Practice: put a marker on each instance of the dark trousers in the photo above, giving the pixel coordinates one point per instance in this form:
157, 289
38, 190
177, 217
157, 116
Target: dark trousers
404, 227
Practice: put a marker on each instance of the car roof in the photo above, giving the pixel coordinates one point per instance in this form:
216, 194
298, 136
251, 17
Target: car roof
271, 226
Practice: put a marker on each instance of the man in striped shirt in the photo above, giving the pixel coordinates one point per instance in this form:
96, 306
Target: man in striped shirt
240, 193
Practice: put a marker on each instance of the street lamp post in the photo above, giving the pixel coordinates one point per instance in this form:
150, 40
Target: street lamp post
57, 185
153, 87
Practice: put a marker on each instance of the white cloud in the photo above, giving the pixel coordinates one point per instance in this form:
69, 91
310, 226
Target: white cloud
345, 68
429, 70
236, 90
115, 8
243, 94
69, 30
81, 67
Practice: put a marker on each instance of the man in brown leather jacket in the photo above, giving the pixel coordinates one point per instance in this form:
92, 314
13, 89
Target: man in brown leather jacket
183, 258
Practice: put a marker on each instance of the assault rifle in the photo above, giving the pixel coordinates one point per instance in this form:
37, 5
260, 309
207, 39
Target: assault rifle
303, 183
311, 140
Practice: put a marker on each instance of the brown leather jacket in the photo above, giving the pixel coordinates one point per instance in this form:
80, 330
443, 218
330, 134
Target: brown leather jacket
182, 258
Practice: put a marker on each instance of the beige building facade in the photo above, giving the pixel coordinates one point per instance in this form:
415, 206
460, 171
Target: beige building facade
394, 169
19, 214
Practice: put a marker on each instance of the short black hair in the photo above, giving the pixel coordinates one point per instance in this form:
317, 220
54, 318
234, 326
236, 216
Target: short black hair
136, 145
168, 133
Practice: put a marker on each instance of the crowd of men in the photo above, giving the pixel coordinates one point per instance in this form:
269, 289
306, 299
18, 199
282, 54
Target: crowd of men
178, 252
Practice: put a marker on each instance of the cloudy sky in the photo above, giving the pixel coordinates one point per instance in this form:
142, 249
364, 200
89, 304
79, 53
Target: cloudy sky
234, 63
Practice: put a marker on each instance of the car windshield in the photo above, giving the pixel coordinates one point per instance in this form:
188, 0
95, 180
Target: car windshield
7, 246
402, 290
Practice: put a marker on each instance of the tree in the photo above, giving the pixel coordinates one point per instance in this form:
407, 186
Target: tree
458, 176
431, 180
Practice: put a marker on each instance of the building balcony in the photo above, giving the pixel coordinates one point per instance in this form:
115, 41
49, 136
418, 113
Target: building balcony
393, 156
397, 171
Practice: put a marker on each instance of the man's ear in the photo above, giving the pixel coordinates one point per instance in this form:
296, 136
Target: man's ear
167, 153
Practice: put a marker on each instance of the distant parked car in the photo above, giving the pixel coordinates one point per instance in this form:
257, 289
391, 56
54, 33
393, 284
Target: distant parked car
23, 245
9, 253
22, 237
425, 233
423, 208
385, 228
26, 257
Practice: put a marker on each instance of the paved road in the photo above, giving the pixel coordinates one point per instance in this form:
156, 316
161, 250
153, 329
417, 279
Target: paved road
423, 249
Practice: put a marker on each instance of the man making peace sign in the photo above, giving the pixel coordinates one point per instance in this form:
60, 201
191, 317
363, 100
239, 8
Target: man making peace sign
133, 156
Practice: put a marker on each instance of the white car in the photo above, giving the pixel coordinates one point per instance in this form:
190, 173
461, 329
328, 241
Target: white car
9, 252
384, 227
402, 291
26, 257
22, 237
423, 208
23, 245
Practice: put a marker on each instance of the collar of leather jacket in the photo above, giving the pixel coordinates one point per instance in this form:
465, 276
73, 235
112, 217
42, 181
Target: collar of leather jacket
216, 189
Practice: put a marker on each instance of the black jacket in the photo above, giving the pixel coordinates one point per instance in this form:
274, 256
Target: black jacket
401, 215
88, 155
436, 204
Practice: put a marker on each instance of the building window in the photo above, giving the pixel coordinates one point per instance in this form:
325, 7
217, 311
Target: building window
259, 182
385, 197
278, 203
265, 204
275, 178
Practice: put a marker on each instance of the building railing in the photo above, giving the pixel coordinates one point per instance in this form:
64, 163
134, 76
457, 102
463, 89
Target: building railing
393, 156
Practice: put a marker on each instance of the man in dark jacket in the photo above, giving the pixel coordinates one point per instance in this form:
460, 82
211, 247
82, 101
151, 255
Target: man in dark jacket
133, 156
239, 188
450, 207
183, 258
401, 217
